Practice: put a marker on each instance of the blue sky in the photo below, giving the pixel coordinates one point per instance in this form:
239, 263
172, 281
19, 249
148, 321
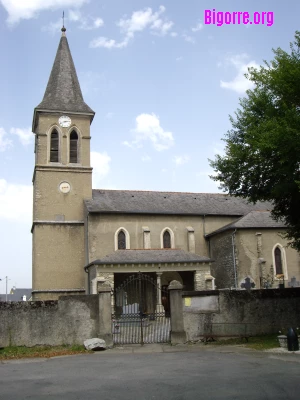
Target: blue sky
161, 81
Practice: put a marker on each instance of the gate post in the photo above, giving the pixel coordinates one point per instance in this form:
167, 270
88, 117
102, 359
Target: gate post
178, 334
104, 317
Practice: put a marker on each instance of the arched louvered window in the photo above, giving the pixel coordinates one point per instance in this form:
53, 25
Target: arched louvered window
73, 147
121, 241
167, 240
54, 146
278, 261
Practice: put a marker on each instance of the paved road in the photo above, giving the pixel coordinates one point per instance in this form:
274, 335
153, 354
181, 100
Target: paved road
172, 373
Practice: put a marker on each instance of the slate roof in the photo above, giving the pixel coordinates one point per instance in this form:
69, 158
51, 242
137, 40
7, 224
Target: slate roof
63, 91
150, 256
254, 219
16, 295
143, 202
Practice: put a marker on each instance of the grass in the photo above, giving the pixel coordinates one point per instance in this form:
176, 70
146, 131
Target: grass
14, 352
263, 342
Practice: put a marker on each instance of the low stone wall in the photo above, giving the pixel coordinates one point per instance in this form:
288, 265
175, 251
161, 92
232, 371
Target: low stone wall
240, 313
70, 320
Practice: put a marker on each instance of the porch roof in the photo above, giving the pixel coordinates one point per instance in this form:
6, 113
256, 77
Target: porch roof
150, 256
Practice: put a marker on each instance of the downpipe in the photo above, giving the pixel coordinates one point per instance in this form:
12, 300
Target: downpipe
233, 255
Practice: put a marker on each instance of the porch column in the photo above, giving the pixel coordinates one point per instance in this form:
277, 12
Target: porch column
159, 306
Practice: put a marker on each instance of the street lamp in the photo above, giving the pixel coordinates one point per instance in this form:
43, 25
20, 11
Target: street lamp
6, 278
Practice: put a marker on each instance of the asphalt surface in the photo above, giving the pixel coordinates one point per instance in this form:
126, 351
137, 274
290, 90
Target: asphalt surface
155, 372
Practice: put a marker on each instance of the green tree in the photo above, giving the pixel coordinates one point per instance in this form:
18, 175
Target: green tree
262, 153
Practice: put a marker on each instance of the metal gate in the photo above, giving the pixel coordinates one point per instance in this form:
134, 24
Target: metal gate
137, 317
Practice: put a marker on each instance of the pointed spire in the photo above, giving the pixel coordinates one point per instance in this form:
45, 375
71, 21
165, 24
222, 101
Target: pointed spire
63, 91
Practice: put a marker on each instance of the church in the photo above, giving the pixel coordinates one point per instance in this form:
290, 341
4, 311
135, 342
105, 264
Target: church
83, 237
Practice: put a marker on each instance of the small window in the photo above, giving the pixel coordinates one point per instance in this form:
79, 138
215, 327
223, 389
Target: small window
73, 147
54, 146
278, 262
167, 240
121, 241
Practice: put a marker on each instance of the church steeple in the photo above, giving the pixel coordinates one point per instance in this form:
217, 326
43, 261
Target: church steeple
62, 180
63, 93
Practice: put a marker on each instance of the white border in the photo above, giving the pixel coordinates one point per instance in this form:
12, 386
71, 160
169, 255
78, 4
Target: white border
127, 237
172, 238
283, 260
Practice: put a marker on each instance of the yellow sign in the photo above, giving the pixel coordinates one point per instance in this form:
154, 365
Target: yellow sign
187, 301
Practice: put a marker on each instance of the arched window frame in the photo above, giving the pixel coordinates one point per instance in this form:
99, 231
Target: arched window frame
171, 235
283, 261
127, 237
51, 130
74, 129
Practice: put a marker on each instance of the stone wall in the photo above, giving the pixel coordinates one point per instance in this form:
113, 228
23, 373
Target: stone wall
70, 320
222, 253
240, 313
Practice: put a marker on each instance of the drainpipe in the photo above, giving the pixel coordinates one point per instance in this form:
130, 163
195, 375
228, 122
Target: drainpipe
203, 218
86, 250
233, 255
204, 234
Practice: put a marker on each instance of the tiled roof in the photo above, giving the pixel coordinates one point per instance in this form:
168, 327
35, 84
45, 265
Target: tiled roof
149, 257
254, 219
16, 295
63, 91
143, 202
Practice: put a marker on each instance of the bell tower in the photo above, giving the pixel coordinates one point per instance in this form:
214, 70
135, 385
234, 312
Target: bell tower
62, 180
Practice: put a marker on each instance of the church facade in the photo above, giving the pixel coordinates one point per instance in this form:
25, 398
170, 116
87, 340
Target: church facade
84, 237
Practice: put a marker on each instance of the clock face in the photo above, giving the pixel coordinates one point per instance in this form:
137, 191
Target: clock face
64, 121
65, 187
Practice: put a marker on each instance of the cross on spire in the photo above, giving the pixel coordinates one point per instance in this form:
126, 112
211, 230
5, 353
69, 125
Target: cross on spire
63, 29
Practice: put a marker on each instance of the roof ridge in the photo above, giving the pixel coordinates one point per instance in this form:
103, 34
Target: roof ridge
159, 191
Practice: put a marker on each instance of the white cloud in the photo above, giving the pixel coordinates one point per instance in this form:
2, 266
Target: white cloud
179, 58
101, 166
132, 145
25, 135
5, 143
27, 9
180, 160
108, 43
146, 158
198, 27
15, 201
109, 115
161, 27
173, 34
85, 22
138, 22
148, 129
74, 15
239, 84
188, 38
98, 22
